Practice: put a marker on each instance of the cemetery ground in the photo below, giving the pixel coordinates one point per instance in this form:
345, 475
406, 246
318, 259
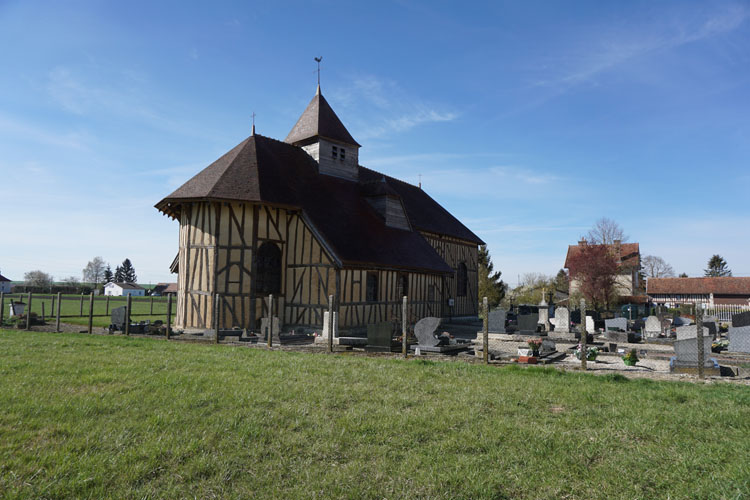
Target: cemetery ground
93, 416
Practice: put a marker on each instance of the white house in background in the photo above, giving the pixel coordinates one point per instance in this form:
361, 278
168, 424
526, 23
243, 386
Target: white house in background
121, 289
5, 285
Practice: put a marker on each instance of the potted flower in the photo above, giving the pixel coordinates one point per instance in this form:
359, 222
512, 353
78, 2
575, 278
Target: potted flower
591, 353
534, 346
631, 358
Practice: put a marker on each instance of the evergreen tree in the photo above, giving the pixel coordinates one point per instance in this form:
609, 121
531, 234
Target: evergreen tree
128, 272
561, 281
490, 284
108, 276
119, 275
717, 267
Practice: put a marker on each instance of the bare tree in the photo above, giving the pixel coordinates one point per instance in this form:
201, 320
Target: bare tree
37, 278
94, 271
605, 232
656, 267
71, 281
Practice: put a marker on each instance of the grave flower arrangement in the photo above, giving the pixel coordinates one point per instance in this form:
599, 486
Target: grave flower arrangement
591, 352
534, 346
631, 358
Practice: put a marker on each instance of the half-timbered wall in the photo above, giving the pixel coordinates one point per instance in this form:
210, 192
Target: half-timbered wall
424, 292
454, 251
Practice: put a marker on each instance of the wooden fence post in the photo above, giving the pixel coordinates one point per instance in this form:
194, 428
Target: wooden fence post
43, 311
169, 314
404, 344
699, 339
216, 316
106, 311
91, 313
57, 313
2, 306
269, 340
127, 314
28, 313
584, 335
81, 314
151, 313
330, 324
486, 334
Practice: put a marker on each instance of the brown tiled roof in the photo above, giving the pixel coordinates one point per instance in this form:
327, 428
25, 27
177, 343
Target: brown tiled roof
699, 286
3, 278
319, 119
630, 254
261, 169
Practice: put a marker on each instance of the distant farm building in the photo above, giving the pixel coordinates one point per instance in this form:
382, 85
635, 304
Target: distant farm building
712, 291
120, 289
164, 289
302, 220
5, 285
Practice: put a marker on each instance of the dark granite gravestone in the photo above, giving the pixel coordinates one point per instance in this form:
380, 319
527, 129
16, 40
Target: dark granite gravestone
741, 319
527, 323
117, 318
617, 324
379, 337
680, 321
575, 317
496, 321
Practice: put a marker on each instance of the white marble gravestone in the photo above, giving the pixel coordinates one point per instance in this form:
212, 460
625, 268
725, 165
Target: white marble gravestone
562, 320
653, 327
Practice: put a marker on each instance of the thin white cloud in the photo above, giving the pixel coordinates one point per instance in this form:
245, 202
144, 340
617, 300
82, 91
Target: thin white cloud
20, 129
389, 108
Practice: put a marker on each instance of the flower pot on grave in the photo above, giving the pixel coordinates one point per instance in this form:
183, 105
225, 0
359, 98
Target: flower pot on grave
529, 360
629, 362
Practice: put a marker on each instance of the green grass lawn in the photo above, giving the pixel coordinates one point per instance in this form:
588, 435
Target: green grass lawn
86, 416
72, 312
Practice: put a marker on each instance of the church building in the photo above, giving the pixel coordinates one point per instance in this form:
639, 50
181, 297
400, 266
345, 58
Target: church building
301, 219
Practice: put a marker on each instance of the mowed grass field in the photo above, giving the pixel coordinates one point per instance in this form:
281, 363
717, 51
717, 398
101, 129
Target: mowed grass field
87, 416
71, 311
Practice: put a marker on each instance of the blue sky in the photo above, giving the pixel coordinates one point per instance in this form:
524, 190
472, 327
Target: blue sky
527, 120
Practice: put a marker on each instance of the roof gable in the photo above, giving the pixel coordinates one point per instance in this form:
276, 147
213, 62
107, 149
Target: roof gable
319, 120
3, 278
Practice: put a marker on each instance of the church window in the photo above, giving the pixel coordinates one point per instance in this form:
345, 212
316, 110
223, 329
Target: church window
268, 269
334, 152
372, 287
461, 279
343, 154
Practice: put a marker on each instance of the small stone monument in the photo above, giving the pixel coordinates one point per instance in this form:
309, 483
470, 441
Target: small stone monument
117, 318
543, 314
17, 308
686, 357
335, 325
653, 327
562, 320
527, 323
379, 337
264, 323
590, 324
739, 339
691, 332
496, 321
741, 319
710, 322
425, 329
617, 324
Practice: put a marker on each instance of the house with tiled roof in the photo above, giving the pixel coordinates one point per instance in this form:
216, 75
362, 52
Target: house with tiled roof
123, 289
628, 283
301, 220
713, 291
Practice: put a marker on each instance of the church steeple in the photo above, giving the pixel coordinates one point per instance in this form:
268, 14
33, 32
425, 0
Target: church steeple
319, 131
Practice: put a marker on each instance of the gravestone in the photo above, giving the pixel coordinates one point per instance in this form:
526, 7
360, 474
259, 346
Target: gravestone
379, 337
739, 339
616, 323
653, 327
686, 357
496, 321
741, 319
590, 327
424, 330
117, 318
710, 323
547, 347
335, 325
691, 332
17, 308
680, 321
527, 323
543, 315
275, 329
561, 320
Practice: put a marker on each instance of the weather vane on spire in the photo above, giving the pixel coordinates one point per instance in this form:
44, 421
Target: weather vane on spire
317, 60
253, 133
